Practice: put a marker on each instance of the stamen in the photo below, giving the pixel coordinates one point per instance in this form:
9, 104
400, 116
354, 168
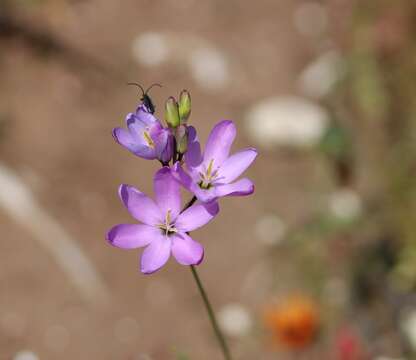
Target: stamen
167, 227
208, 177
148, 139
211, 163
168, 218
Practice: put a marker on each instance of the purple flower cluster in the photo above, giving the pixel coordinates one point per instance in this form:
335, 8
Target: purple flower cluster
209, 175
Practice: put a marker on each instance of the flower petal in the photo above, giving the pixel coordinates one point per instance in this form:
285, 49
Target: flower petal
140, 206
131, 236
186, 251
125, 139
189, 183
146, 117
219, 142
193, 157
196, 216
239, 188
167, 192
182, 176
136, 127
236, 164
156, 254
164, 145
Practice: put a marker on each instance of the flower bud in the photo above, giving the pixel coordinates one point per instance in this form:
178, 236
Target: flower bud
184, 106
172, 113
181, 136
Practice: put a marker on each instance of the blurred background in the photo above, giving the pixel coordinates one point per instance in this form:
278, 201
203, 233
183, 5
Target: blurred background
320, 263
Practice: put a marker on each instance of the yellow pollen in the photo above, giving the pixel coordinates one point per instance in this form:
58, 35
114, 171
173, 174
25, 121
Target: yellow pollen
148, 139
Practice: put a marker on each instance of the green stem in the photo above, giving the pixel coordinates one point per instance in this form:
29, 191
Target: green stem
218, 333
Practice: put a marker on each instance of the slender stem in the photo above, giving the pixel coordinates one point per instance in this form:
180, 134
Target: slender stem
189, 204
218, 333
175, 152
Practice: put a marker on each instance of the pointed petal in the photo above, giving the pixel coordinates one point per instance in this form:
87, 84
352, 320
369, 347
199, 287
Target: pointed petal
239, 188
131, 236
140, 206
186, 251
236, 164
156, 254
196, 216
219, 142
193, 157
167, 192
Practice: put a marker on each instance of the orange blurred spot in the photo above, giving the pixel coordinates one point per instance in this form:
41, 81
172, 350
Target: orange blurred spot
294, 323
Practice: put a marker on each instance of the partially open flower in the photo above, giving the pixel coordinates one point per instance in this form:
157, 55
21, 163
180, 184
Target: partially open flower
145, 136
294, 322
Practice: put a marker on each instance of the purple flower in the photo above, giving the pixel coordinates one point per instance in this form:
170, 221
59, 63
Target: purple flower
212, 175
164, 229
145, 136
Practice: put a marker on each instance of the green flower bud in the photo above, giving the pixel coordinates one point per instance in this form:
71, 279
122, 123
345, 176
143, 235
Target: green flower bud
181, 136
172, 113
184, 106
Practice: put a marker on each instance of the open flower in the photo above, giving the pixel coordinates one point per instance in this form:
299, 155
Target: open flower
145, 136
212, 174
164, 227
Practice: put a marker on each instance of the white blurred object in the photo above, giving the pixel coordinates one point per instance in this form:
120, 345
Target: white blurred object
18, 201
287, 121
57, 338
150, 49
311, 18
345, 204
126, 330
270, 229
387, 358
209, 68
234, 320
319, 77
207, 64
25, 355
408, 325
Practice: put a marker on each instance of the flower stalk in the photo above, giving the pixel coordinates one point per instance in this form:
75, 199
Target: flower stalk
211, 315
219, 335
